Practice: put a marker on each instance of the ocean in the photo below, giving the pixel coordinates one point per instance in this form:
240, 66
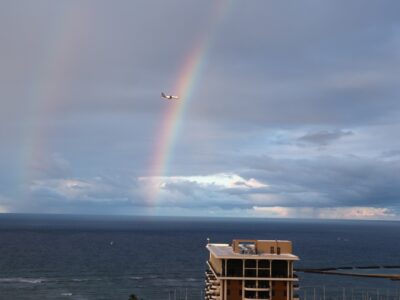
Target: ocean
111, 257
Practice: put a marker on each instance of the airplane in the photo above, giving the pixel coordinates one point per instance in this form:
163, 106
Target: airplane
169, 97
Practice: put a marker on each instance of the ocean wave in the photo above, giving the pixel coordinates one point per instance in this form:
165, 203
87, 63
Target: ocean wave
22, 280
192, 279
86, 279
66, 294
136, 277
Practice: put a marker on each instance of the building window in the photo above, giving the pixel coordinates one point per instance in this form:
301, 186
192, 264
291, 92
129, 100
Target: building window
250, 283
263, 284
235, 268
250, 273
250, 263
279, 268
272, 250
278, 250
263, 264
250, 294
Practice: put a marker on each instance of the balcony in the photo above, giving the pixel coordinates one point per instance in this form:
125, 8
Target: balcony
252, 285
213, 292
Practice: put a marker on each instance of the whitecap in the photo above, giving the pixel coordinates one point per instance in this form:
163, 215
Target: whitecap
136, 278
22, 280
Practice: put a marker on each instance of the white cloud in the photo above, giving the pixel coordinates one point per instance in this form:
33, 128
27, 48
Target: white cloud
275, 211
356, 213
183, 190
221, 180
361, 213
3, 208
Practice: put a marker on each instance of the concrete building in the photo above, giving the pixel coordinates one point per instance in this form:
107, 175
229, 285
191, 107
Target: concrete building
251, 269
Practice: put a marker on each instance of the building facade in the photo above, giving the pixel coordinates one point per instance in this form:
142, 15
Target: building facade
251, 269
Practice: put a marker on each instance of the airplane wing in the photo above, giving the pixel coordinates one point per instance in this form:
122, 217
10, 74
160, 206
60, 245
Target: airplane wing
168, 96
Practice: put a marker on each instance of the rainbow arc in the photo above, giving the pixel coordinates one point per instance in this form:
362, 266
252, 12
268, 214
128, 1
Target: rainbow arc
188, 77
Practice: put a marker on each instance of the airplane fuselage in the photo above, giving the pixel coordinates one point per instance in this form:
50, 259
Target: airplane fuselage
169, 97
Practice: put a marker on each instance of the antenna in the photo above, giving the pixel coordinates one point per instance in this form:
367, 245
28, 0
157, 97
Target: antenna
208, 240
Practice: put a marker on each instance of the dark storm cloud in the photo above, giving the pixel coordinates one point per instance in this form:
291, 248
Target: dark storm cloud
89, 195
328, 181
195, 196
80, 81
324, 137
391, 154
330, 67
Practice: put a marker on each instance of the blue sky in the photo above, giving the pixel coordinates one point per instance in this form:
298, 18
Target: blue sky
295, 113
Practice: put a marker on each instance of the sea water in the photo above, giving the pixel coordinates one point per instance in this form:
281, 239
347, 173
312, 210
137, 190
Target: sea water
111, 257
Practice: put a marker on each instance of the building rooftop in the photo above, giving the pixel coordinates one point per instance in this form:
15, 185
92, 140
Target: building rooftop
249, 251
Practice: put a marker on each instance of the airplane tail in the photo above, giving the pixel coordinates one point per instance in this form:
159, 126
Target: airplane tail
163, 95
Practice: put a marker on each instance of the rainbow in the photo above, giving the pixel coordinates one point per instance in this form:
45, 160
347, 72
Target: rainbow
188, 77
49, 87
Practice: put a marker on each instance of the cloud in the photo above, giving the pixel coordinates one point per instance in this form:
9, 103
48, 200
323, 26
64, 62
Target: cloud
324, 137
96, 189
363, 213
326, 182
391, 154
208, 191
286, 113
52, 166
322, 187
4, 203
222, 180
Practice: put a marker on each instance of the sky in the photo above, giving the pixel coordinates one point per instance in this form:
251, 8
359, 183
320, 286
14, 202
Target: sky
287, 109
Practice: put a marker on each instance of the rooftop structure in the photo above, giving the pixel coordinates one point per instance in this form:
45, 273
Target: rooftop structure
251, 269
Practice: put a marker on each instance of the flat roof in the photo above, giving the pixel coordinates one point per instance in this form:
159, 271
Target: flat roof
226, 251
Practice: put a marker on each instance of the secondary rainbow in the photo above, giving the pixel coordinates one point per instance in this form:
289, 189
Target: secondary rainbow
188, 77
49, 88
